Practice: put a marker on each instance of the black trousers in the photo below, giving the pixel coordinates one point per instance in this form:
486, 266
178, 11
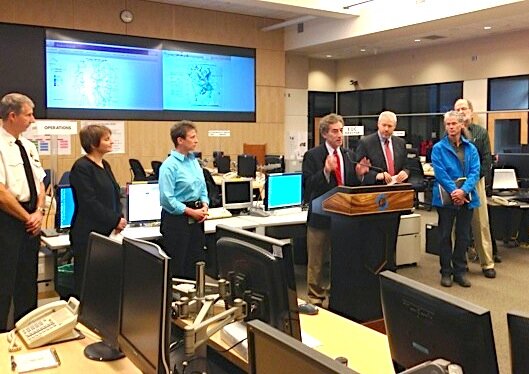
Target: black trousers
18, 268
183, 242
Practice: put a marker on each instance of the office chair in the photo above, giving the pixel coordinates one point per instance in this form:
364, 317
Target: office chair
274, 164
417, 181
518, 326
155, 165
138, 172
65, 178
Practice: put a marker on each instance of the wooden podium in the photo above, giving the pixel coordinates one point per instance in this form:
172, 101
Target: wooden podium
364, 226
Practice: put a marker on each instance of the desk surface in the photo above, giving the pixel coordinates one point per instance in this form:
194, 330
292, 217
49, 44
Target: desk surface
72, 358
366, 350
153, 232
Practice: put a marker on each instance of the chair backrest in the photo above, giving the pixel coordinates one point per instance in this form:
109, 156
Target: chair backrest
155, 165
275, 160
65, 178
215, 200
518, 325
416, 175
223, 164
138, 172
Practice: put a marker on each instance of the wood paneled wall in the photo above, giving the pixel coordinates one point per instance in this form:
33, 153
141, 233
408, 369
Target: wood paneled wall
149, 140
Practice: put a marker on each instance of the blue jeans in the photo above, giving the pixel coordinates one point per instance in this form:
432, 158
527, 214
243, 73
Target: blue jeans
454, 261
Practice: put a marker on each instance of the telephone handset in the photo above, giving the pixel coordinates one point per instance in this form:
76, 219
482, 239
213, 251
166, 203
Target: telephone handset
503, 201
48, 322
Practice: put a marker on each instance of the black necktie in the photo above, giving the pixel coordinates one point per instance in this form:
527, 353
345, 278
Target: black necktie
29, 177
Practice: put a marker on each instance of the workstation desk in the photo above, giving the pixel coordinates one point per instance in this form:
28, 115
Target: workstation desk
367, 350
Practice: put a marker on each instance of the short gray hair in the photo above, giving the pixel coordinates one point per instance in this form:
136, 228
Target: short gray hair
452, 113
13, 102
389, 115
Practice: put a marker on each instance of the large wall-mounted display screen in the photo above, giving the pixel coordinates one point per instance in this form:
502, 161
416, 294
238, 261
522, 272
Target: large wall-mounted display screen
85, 75
131, 77
102, 76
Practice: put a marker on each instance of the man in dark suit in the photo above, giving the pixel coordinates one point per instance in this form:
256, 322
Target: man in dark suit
385, 151
325, 167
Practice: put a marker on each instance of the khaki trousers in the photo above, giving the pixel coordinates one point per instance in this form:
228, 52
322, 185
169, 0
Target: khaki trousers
319, 254
481, 229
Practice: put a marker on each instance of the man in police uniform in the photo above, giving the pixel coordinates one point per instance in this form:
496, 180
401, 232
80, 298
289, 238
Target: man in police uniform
21, 208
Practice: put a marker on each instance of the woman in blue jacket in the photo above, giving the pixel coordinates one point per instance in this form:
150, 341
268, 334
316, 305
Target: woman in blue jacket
456, 166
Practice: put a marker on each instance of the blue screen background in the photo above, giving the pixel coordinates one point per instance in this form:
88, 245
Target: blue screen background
284, 190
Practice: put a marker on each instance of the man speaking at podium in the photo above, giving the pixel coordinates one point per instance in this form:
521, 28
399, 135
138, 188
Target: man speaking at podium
325, 167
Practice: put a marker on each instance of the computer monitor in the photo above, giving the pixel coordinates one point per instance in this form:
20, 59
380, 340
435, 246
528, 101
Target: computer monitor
246, 166
223, 164
143, 202
516, 161
423, 323
282, 250
65, 207
237, 194
283, 190
504, 179
144, 332
518, 324
100, 306
272, 351
260, 278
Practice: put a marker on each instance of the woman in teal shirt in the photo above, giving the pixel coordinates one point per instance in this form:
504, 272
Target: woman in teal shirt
184, 201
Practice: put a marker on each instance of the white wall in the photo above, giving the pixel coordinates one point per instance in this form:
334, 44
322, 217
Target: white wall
495, 56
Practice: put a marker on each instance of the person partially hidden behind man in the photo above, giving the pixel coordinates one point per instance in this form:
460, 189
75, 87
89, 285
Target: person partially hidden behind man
478, 136
325, 167
455, 162
385, 151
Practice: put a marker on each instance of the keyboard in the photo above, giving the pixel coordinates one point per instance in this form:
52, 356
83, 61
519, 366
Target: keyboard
216, 213
522, 196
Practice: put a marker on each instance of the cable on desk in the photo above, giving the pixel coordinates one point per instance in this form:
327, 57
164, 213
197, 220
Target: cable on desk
233, 346
175, 345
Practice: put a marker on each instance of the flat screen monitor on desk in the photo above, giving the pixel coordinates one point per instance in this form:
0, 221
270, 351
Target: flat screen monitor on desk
504, 180
260, 278
288, 321
143, 202
65, 207
100, 307
246, 166
237, 194
283, 190
145, 324
271, 351
423, 324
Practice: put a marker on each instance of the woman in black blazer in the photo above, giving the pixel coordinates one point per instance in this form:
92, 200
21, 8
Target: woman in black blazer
96, 195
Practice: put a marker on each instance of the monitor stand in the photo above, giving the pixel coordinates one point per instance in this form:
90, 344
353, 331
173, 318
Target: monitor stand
100, 351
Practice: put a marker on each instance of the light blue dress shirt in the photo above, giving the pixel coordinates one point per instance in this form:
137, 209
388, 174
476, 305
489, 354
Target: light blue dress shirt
181, 180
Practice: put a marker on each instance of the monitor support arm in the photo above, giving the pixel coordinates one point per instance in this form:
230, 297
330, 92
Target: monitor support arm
202, 329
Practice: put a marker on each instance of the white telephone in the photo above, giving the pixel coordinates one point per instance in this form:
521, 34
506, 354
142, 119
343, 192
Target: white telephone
46, 323
503, 201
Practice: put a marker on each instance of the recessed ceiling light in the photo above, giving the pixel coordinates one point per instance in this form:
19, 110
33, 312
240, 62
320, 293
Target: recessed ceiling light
362, 50
328, 56
417, 40
487, 27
